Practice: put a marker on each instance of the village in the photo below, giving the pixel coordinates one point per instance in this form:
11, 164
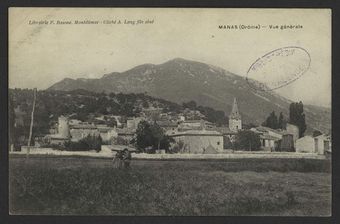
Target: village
190, 131
187, 112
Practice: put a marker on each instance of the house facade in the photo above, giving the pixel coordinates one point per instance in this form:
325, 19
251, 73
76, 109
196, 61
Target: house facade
132, 122
125, 134
269, 137
76, 130
305, 144
268, 142
108, 134
293, 130
199, 141
63, 132
191, 125
81, 131
319, 144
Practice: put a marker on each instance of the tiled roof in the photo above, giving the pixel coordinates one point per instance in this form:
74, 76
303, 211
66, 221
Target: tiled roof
83, 126
105, 129
125, 131
195, 133
225, 130
262, 128
166, 123
269, 137
56, 136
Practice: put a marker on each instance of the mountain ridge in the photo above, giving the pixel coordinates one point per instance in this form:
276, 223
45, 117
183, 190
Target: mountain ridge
180, 80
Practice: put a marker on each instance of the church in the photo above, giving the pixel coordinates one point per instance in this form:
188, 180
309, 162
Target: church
235, 121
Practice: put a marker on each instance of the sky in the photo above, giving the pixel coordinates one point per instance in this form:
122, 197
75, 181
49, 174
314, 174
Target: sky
43, 54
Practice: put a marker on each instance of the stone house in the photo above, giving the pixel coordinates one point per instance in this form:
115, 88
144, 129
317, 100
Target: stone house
108, 134
132, 122
319, 144
167, 125
125, 134
199, 141
226, 132
287, 142
293, 130
82, 130
268, 142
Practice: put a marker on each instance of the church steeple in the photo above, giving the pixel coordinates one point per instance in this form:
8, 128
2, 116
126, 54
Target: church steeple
235, 122
234, 112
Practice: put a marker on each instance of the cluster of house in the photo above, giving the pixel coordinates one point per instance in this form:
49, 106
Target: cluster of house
195, 136
75, 130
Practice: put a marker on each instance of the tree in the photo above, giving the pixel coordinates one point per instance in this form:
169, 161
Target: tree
249, 125
271, 121
281, 122
166, 142
227, 144
247, 140
158, 134
145, 104
177, 147
297, 117
151, 135
111, 122
90, 142
143, 137
121, 141
191, 105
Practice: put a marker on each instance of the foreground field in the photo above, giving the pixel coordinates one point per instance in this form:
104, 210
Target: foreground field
87, 186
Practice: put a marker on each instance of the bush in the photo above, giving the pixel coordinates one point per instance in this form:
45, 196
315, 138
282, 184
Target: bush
121, 141
227, 144
90, 142
151, 136
247, 140
177, 147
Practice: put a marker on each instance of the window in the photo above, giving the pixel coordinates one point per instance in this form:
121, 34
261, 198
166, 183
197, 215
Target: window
218, 143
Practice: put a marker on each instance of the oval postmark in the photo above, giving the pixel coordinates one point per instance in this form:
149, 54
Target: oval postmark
278, 68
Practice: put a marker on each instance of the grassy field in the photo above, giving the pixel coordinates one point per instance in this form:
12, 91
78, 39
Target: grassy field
87, 186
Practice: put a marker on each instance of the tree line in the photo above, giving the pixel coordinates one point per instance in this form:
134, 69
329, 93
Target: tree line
296, 117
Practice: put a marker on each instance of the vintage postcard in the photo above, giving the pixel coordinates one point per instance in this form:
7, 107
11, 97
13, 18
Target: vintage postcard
170, 111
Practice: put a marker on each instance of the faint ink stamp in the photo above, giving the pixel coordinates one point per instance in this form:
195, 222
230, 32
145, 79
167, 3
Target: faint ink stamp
278, 68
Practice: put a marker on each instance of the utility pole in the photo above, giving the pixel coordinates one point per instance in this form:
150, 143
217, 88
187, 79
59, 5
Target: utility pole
31, 126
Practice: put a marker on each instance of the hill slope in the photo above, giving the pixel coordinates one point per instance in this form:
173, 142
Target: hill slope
181, 80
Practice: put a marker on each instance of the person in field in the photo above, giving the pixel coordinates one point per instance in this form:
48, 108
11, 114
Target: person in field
126, 158
118, 160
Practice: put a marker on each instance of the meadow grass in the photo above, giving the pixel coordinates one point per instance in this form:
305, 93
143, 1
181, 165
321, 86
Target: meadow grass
85, 186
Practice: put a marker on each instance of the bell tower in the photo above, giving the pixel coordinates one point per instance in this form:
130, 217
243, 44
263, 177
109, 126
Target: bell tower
235, 122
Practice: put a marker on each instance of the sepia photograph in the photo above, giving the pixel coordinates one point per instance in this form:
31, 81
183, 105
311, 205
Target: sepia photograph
170, 111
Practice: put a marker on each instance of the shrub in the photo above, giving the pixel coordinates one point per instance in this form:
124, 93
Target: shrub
177, 147
247, 140
227, 144
121, 141
151, 135
90, 142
